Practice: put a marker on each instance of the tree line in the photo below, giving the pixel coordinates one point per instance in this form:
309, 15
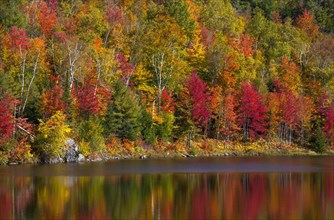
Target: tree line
158, 71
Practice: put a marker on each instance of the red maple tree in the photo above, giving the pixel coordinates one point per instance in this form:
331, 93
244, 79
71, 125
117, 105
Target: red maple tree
252, 114
199, 96
88, 102
305, 22
18, 39
47, 17
125, 67
329, 125
167, 102
7, 105
289, 108
245, 45
52, 99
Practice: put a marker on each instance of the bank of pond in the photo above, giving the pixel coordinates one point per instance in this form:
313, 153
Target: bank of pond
73, 152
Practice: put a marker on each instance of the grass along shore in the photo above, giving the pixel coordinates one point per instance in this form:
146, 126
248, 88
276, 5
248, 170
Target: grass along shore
179, 149
204, 148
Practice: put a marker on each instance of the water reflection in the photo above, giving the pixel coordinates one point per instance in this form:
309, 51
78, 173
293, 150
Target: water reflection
170, 196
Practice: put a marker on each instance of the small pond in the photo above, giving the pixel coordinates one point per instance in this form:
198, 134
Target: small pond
210, 188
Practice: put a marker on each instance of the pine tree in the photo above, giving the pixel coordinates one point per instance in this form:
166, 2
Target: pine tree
147, 127
318, 139
122, 117
90, 135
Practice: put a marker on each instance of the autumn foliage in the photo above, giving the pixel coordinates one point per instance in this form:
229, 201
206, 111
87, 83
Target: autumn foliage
167, 102
252, 112
18, 39
167, 72
329, 125
53, 100
6, 118
200, 98
87, 99
306, 22
47, 17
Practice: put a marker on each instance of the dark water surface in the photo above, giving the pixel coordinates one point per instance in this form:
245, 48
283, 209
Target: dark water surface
215, 188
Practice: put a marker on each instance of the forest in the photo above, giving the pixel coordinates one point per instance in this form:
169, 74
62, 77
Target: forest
122, 76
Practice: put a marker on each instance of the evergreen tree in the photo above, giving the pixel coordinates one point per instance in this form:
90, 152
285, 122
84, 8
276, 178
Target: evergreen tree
165, 129
147, 127
122, 117
90, 135
318, 140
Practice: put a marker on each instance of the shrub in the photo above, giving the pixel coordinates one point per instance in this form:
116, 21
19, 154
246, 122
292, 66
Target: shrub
52, 136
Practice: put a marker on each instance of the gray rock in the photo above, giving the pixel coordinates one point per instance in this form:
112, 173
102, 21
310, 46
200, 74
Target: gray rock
71, 156
56, 159
71, 151
97, 159
81, 158
70, 143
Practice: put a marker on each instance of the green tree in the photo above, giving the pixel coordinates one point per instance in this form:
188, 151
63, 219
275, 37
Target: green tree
90, 136
318, 140
147, 127
165, 129
220, 15
12, 14
122, 117
90, 22
179, 10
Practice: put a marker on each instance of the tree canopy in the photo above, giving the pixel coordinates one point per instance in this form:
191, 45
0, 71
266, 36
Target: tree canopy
152, 72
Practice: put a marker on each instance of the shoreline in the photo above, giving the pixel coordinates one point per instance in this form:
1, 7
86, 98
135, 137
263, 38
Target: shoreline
198, 149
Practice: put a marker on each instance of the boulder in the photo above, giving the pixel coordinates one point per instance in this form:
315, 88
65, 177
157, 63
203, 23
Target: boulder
81, 158
56, 159
71, 151
71, 156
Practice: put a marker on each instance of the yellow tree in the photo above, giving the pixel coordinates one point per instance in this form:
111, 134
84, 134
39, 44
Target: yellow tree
52, 136
289, 74
220, 15
196, 52
165, 46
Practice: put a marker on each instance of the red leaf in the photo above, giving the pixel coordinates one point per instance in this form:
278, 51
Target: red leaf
329, 124
197, 90
52, 100
245, 45
167, 104
47, 17
87, 99
305, 22
6, 118
18, 39
252, 111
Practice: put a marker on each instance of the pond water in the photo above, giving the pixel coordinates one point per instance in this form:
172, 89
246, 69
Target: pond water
212, 188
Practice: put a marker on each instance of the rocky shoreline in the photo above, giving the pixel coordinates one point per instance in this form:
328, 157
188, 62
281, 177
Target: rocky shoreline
72, 154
